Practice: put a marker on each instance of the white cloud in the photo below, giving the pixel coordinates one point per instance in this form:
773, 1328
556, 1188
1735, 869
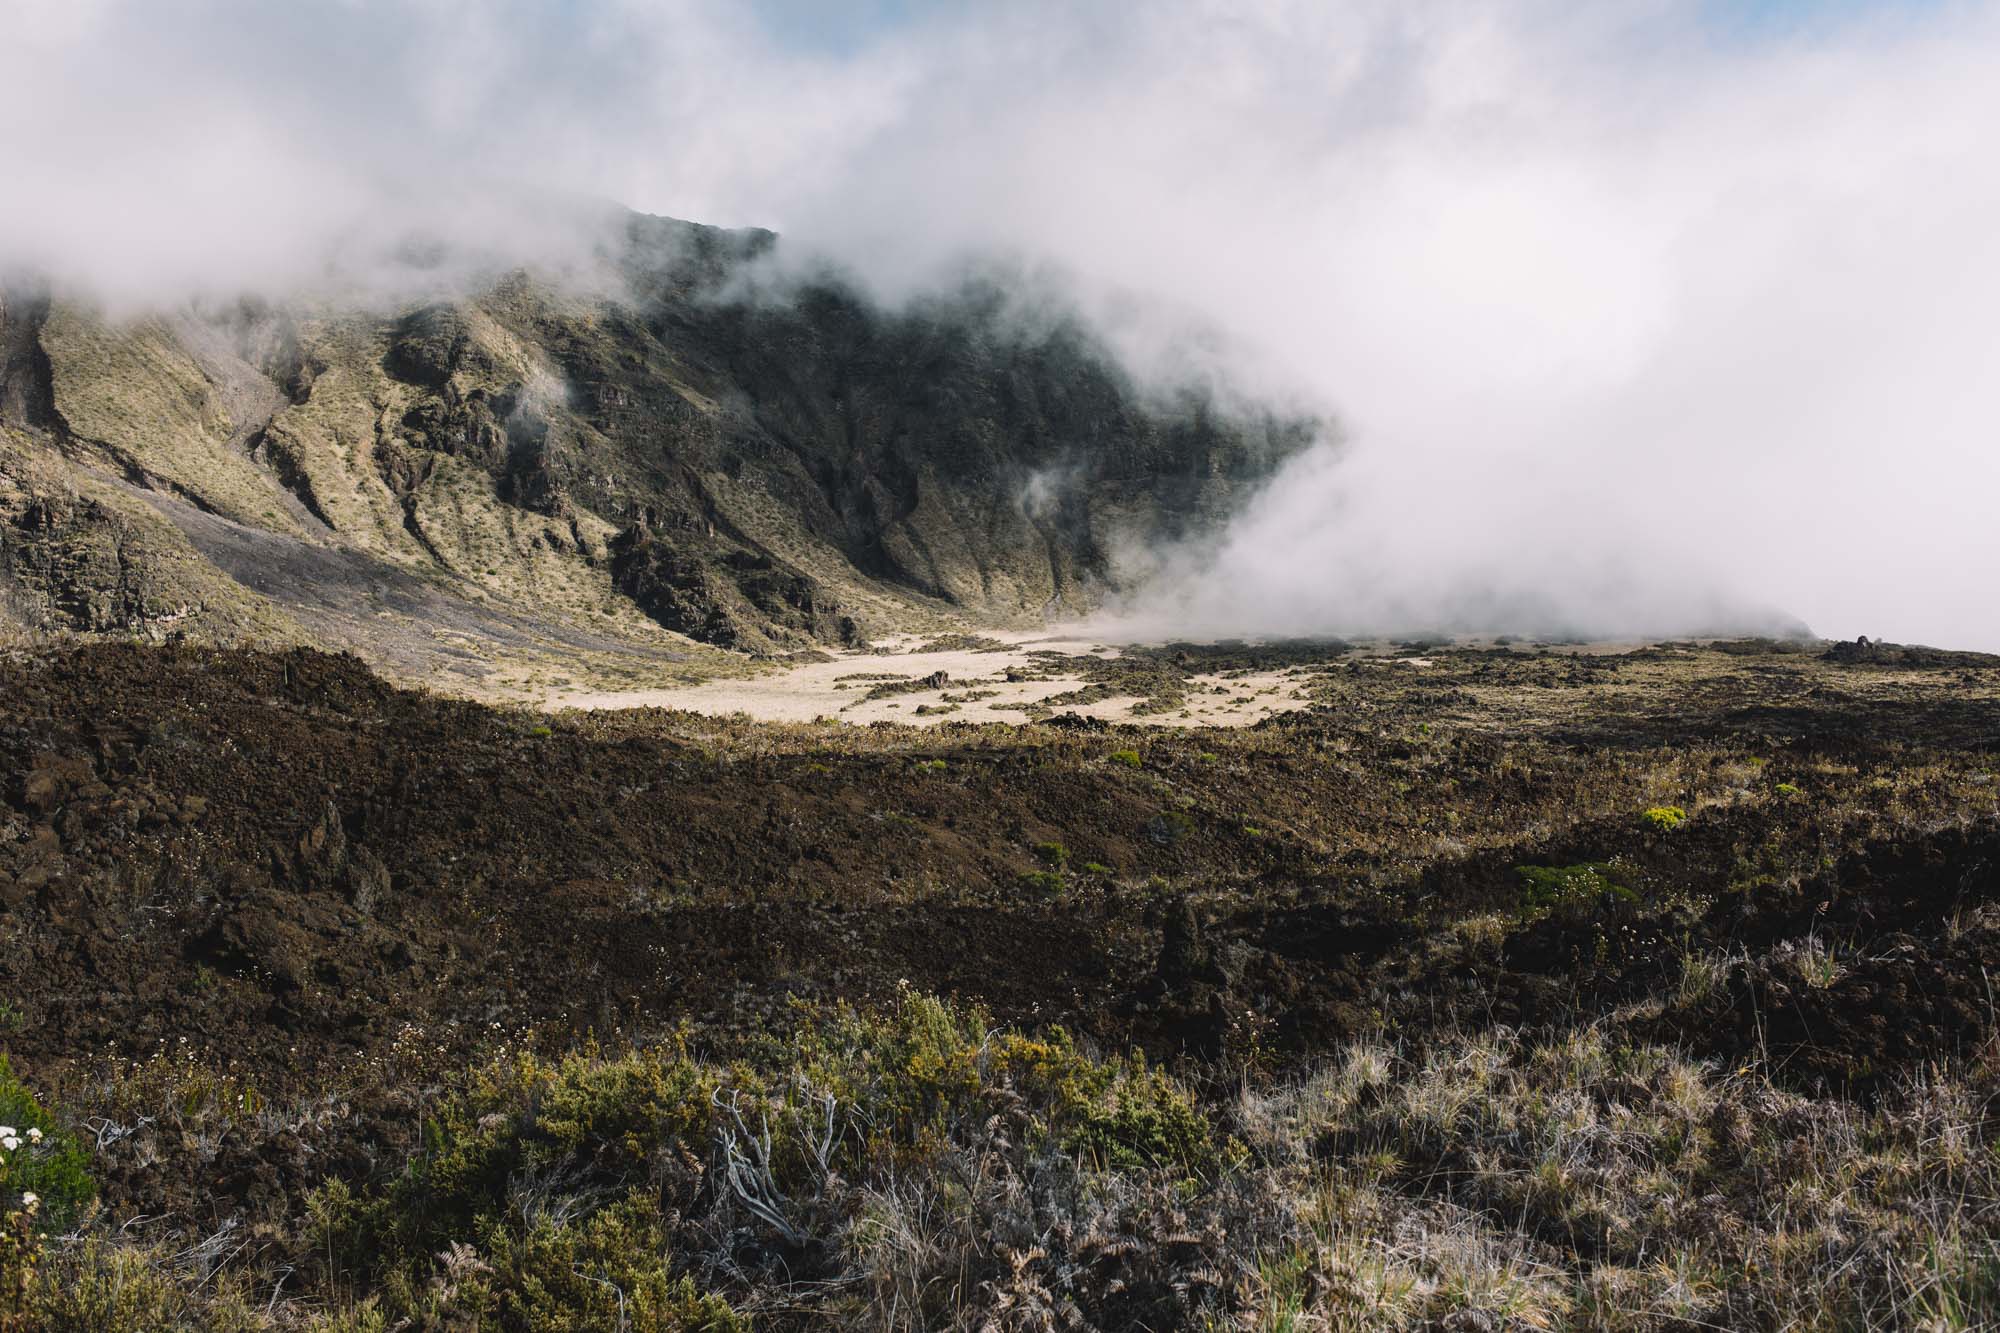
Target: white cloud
1622, 316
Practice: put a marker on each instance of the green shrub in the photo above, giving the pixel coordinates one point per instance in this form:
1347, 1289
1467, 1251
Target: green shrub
1145, 1120
1665, 818
1590, 885
925, 1064
910, 1066
45, 1161
612, 1271
549, 1195
1169, 827
1787, 789
1129, 758
1042, 881
593, 1123
1052, 854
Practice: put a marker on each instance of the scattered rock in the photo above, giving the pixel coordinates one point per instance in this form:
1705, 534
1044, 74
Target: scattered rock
255, 939
367, 879
1873, 652
52, 779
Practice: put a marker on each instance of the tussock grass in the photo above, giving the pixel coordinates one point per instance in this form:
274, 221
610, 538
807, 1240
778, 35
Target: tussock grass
917, 1168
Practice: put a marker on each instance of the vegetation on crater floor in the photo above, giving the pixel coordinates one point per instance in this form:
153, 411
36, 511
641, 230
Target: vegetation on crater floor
1387, 1014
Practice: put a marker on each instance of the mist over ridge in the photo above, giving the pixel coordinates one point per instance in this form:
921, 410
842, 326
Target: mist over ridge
1629, 322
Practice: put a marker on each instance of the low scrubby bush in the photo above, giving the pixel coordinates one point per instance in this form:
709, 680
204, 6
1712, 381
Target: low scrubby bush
39, 1161
541, 1188
1587, 887
913, 1167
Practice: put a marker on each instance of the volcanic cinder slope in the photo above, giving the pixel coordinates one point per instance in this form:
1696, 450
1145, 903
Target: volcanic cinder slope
527, 466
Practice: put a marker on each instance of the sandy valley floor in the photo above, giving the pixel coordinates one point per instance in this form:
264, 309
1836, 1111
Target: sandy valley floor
976, 688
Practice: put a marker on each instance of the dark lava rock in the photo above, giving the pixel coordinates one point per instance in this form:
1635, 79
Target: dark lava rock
1871, 652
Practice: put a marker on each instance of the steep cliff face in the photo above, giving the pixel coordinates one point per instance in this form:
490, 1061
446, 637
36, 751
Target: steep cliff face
675, 459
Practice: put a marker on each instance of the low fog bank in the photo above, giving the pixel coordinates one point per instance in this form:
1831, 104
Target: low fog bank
1644, 318
1346, 545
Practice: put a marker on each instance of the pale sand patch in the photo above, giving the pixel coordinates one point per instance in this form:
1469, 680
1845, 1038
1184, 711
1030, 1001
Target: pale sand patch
1212, 701
828, 689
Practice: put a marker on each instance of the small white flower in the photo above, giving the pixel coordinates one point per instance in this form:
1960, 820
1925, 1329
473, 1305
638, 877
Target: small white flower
34, 1136
6, 1130
30, 1199
9, 1142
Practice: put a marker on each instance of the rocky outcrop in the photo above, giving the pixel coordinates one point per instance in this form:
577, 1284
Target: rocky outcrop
82, 552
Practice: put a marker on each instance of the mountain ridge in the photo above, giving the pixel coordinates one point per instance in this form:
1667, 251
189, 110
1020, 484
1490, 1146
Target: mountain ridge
673, 462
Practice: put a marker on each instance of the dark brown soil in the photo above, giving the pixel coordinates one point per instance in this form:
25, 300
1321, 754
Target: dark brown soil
287, 865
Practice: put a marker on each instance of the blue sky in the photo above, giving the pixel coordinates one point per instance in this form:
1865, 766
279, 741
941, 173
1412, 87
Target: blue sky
843, 26
1784, 17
